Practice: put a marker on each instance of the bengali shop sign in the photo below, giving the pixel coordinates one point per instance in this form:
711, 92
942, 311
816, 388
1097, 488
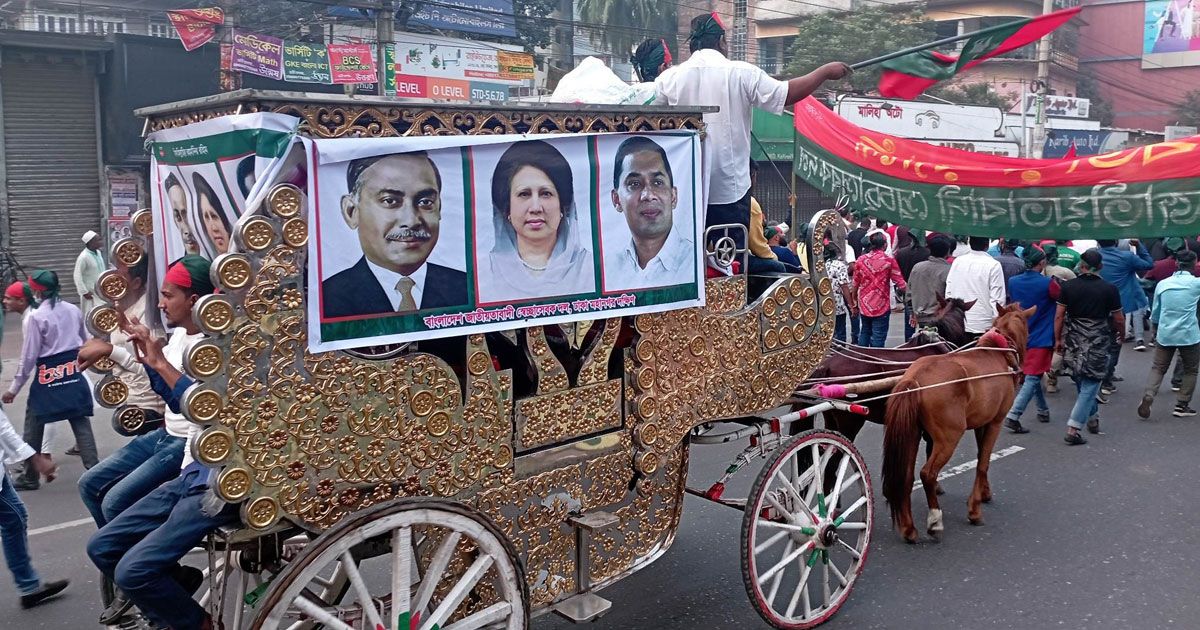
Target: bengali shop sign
257, 54
351, 63
467, 260
486, 17
306, 63
427, 56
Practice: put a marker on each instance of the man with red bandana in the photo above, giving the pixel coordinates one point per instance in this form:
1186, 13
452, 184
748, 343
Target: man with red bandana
139, 549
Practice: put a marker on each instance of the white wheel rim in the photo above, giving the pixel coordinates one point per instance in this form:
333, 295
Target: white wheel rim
413, 594
807, 550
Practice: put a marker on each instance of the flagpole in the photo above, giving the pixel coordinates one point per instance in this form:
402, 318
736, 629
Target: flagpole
940, 42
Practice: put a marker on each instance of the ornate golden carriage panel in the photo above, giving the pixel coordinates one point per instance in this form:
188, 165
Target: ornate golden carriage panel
312, 438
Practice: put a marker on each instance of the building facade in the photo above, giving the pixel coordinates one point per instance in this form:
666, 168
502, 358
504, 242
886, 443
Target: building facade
1116, 46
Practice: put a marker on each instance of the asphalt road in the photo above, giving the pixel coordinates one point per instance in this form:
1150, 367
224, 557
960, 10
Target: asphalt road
1097, 536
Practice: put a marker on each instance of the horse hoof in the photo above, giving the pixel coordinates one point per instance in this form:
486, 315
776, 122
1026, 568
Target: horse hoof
909, 536
976, 521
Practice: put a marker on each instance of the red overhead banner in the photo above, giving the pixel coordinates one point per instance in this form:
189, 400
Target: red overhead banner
196, 27
1142, 191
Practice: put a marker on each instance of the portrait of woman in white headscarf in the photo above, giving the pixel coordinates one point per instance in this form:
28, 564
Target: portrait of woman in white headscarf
538, 251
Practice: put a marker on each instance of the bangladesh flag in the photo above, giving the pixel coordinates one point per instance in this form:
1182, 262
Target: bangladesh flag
906, 77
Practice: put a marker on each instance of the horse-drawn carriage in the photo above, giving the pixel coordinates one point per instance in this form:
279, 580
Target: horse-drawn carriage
492, 477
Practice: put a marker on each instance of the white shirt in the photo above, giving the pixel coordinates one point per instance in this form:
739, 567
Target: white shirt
388, 280
708, 78
674, 264
977, 276
12, 448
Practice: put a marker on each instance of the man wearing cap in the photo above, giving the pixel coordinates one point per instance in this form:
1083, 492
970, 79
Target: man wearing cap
88, 266
19, 298
650, 59
1055, 270
140, 548
1174, 318
1032, 289
49, 350
708, 77
1087, 321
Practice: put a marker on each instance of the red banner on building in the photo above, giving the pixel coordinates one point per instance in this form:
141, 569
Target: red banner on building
196, 27
352, 63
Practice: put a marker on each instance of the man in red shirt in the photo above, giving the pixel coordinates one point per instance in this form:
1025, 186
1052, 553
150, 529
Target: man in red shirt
874, 275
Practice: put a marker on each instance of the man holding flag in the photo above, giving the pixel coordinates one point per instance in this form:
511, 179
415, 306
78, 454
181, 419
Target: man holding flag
708, 77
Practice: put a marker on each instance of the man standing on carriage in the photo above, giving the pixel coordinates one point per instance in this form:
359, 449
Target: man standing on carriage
1033, 289
1087, 322
709, 78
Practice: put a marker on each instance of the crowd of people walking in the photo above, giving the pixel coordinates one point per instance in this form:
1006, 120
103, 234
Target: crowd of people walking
1090, 301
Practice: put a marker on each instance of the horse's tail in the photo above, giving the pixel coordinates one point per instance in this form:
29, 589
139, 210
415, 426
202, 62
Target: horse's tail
901, 437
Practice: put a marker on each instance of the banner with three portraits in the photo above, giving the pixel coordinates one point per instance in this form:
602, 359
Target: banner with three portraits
419, 238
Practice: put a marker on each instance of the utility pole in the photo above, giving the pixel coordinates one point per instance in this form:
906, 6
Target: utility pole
229, 79
385, 32
1043, 87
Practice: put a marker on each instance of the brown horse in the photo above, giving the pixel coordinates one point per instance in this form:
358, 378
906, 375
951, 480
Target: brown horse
852, 364
943, 396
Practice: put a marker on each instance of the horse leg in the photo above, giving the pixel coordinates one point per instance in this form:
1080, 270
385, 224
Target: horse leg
937, 485
985, 436
943, 448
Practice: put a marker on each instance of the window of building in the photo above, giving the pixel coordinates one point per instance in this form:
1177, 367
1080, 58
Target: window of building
41, 23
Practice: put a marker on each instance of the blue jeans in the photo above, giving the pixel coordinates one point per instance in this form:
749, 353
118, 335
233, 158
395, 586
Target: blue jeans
1030, 389
129, 474
1086, 404
1114, 355
874, 331
765, 265
855, 327
14, 528
140, 546
839, 327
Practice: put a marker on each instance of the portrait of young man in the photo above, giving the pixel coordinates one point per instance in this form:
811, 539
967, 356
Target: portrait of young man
394, 204
659, 252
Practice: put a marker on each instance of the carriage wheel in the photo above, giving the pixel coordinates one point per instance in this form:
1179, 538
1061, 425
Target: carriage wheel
806, 530
414, 564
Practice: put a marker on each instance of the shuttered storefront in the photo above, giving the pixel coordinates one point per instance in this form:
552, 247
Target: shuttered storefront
52, 179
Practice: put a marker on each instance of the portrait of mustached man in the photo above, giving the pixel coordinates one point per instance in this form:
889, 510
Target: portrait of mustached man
394, 204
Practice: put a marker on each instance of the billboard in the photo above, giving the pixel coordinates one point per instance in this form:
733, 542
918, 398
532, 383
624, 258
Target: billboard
1171, 37
923, 120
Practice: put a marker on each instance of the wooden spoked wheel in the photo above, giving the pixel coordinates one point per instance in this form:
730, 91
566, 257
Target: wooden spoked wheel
414, 564
806, 530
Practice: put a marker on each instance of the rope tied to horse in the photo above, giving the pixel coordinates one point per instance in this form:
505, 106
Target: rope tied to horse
832, 390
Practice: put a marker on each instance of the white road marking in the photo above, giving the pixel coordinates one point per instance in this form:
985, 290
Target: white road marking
54, 528
966, 466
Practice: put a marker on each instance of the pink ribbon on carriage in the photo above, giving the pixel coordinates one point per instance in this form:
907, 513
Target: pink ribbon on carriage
831, 391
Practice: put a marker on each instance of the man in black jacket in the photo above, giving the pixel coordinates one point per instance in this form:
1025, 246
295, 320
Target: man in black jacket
394, 203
